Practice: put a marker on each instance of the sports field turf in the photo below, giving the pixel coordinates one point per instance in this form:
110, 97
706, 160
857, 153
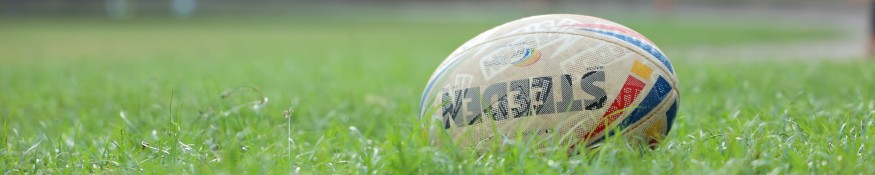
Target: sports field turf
208, 95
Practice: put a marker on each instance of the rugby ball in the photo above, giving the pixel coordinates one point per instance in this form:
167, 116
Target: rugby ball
574, 79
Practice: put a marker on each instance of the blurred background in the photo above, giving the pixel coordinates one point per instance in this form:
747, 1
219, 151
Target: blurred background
839, 27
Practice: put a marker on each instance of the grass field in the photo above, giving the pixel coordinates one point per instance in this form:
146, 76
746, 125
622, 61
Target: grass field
208, 95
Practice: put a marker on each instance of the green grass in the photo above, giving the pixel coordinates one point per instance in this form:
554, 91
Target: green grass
86, 95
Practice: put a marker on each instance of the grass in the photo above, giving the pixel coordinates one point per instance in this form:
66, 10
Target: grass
211, 95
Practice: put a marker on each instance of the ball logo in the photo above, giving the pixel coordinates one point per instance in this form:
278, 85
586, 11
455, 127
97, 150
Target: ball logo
529, 57
521, 98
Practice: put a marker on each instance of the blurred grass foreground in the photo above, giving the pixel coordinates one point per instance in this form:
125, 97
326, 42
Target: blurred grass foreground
185, 86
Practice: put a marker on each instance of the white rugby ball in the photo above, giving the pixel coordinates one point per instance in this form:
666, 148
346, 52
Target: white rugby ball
572, 78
